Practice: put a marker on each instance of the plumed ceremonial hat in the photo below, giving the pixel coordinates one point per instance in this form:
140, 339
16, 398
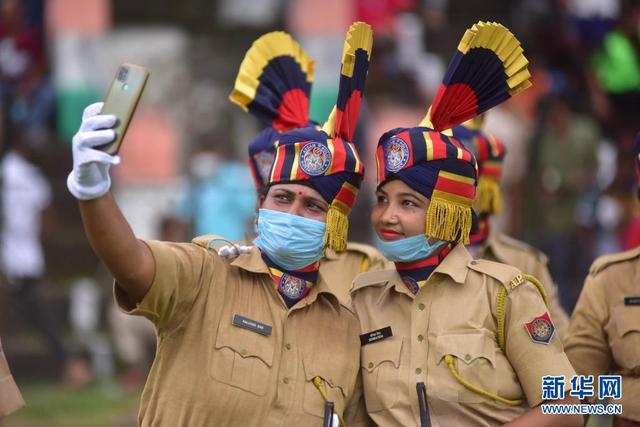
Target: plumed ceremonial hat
326, 158
488, 68
274, 85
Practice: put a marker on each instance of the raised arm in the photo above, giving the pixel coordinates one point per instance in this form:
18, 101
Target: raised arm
129, 260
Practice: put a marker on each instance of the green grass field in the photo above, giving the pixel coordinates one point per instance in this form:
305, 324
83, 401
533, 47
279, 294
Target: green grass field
97, 405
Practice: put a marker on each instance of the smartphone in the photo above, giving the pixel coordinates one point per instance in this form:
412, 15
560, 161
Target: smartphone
122, 99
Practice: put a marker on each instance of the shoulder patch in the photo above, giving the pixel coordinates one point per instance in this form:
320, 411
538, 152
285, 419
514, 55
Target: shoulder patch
372, 278
541, 329
605, 261
522, 246
509, 276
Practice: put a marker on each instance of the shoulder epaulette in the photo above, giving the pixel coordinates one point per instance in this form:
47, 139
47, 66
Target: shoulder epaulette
605, 261
372, 255
520, 245
365, 249
509, 276
372, 278
210, 241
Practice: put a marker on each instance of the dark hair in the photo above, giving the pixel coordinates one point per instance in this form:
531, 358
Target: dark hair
263, 190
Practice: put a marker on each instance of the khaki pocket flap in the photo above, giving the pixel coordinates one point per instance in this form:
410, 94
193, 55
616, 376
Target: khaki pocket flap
246, 343
335, 374
466, 347
376, 353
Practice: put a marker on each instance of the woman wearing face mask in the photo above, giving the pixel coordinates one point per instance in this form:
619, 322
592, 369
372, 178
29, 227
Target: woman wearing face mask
444, 337
260, 340
277, 94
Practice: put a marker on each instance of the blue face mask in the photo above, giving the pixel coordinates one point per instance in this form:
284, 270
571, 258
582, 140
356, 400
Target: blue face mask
410, 249
291, 241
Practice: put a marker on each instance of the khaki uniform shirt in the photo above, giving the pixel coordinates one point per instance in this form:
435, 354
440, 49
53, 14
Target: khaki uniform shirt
507, 250
339, 270
604, 334
10, 397
454, 313
208, 371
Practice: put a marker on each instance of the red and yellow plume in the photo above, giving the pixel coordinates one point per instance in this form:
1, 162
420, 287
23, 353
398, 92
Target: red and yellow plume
274, 82
488, 68
356, 55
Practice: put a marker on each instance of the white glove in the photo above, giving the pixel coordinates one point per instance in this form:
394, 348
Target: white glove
335, 420
90, 178
233, 251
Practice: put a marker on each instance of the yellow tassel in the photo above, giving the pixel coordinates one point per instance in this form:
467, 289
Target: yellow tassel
448, 219
488, 195
337, 229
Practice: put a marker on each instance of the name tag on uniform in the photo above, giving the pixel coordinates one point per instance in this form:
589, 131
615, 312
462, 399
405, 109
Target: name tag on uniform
377, 335
252, 325
631, 300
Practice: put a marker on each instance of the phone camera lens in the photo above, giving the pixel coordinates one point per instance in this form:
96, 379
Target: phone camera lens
123, 72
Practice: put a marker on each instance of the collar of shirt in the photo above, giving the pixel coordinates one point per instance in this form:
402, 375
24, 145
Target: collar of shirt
293, 285
415, 274
330, 254
253, 262
455, 266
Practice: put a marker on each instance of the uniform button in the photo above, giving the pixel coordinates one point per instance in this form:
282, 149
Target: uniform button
420, 338
418, 371
286, 380
287, 346
421, 306
370, 365
243, 352
474, 262
467, 357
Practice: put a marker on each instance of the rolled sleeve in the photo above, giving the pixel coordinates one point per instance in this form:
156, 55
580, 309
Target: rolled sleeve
532, 360
177, 281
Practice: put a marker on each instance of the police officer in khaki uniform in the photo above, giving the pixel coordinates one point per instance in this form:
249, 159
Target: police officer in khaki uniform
10, 397
281, 104
460, 341
486, 243
260, 340
604, 333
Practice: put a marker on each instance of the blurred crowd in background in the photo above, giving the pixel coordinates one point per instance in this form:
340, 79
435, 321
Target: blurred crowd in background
567, 181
